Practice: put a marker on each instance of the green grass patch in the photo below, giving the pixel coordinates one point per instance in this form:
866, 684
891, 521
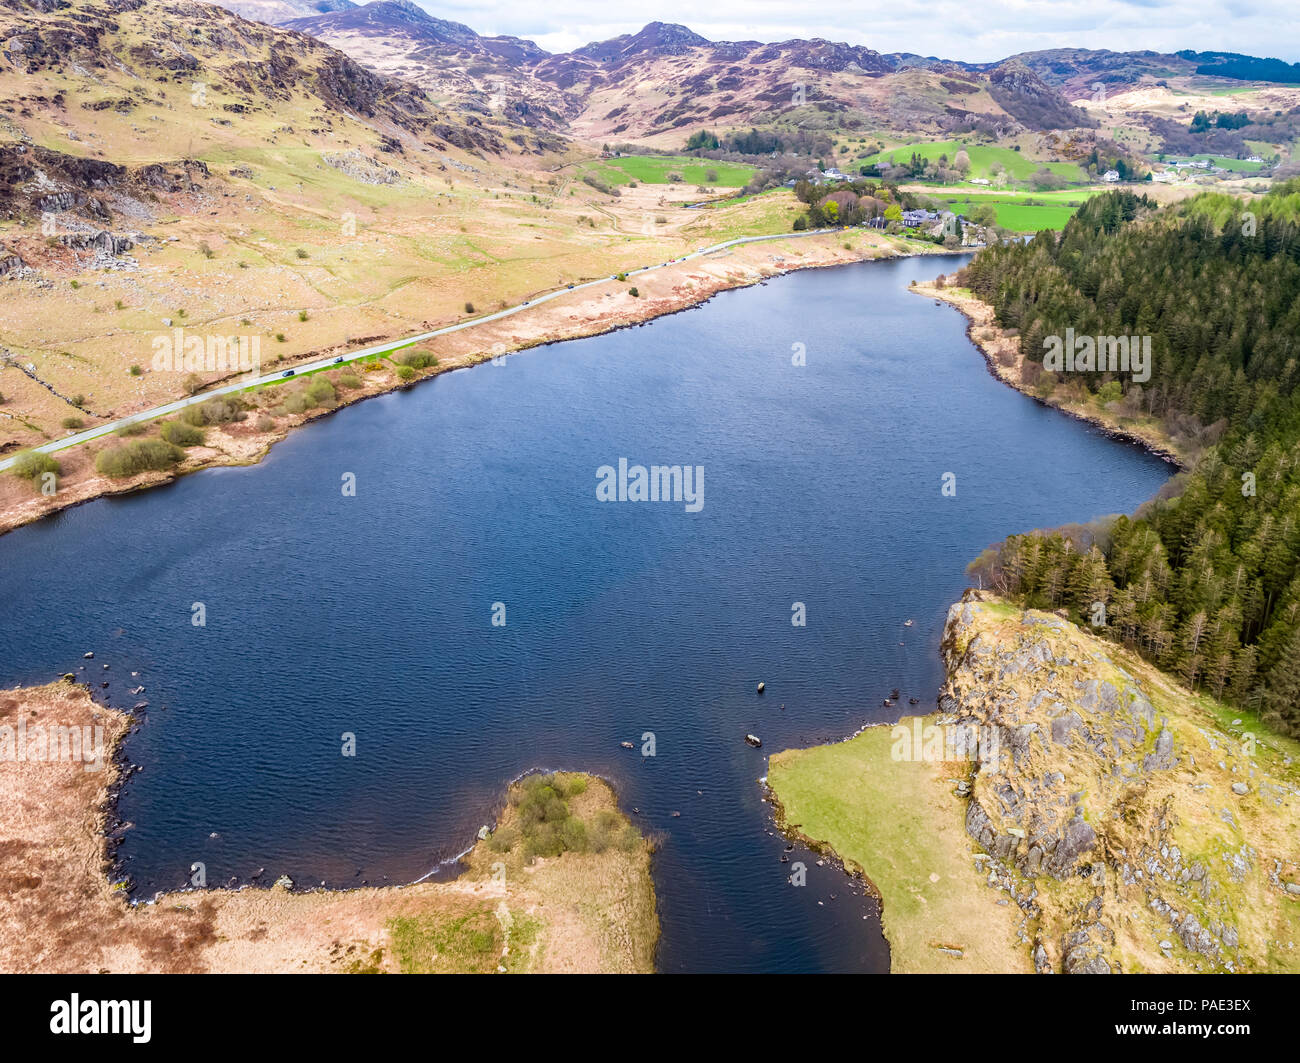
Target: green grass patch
655, 170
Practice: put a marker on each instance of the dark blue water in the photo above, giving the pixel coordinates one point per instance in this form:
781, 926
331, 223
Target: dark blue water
372, 615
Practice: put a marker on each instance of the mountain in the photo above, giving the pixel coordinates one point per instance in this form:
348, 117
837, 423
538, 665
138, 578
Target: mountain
656, 38
275, 12
481, 74
665, 81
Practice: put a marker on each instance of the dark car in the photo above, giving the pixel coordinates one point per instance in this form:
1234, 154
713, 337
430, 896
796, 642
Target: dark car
338, 359
287, 372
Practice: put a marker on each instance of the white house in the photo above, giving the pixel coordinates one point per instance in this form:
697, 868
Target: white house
1110, 175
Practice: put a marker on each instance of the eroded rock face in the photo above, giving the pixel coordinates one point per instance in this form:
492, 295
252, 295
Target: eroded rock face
1084, 797
1025, 806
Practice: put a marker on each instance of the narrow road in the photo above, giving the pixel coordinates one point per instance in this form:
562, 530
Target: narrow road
369, 352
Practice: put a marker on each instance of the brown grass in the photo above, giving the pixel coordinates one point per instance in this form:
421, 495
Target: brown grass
60, 913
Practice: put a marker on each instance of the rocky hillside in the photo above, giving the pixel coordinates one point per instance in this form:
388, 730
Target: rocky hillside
666, 80
1123, 823
481, 75
1142, 826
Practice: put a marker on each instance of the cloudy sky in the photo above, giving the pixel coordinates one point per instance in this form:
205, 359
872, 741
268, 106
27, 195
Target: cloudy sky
976, 32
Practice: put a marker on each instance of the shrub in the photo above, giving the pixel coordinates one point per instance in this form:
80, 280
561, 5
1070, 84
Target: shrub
265, 423
301, 252
469, 308
215, 411
192, 384
78, 401
279, 337
349, 380
417, 358
634, 293
73, 422
302, 315
136, 370
135, 428
138, 456
181, 434
33, 464
320, 392
405, 372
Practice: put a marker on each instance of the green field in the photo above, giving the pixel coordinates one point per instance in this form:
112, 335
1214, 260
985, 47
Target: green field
654, 170
982, 158
1024, 214
1236, 165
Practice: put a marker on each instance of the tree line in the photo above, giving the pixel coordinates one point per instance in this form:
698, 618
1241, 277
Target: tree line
1205, 579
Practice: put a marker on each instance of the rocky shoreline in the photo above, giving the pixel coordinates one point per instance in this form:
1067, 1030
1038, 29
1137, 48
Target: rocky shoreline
1125, 824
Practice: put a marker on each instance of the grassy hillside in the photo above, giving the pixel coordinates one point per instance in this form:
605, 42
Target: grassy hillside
982, 159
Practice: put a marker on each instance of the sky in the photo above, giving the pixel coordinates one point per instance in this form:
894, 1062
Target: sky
978, 32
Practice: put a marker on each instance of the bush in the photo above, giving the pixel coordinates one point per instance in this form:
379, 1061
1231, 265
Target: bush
417, 358
801, 223
136, 370
320, 392
215, 411
192, 384
634, 293
405, 372
469, 308
302, 315
296, 402
301, 252
135, 428
265, 423
349, 380
136, 457
182, 434
73, 423
33, 464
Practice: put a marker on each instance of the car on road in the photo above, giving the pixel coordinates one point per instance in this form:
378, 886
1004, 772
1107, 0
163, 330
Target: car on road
287, 372
338, 359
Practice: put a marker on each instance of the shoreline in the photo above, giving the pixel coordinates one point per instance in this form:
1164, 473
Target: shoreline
66, 906
692, 285
979, 315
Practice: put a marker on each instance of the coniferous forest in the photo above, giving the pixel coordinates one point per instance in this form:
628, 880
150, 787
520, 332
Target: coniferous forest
1204, 580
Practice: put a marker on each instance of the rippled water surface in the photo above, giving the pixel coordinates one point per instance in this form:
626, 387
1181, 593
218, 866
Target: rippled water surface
328, 614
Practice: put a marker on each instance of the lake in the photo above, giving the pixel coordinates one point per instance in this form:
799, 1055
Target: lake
374, 614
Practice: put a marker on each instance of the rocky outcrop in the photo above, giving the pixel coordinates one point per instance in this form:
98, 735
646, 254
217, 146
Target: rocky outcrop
1107, 802
103, 241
